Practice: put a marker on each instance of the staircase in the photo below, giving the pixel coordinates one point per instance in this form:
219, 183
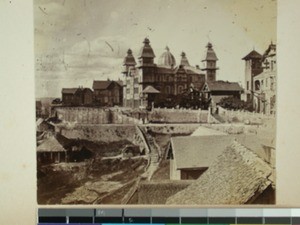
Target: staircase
154, 153
219, 118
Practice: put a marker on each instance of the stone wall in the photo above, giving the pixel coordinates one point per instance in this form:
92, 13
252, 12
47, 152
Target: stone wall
92, 115
178, 116
105, 133
244, 116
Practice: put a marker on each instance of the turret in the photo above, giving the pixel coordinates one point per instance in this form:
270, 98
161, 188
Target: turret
184, 61
128, 62
146, 56
210, 63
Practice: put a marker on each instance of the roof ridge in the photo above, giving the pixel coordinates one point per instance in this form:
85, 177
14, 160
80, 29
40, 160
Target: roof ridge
243, 149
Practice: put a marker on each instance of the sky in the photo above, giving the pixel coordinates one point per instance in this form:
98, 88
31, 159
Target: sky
78, 41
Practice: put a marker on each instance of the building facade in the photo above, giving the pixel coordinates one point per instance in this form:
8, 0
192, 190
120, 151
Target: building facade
260, 80
77, 96
165, 79
265, 83
107, 93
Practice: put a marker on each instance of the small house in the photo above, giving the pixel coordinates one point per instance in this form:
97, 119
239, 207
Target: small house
107, 92
191, 156
237, 176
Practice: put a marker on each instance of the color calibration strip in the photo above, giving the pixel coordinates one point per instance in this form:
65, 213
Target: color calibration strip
168, 216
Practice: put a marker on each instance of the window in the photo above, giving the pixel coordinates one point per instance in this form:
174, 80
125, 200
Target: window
136, 90
247, 85
168, 90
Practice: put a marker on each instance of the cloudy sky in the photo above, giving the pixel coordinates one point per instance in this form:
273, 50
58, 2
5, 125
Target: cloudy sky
78, 41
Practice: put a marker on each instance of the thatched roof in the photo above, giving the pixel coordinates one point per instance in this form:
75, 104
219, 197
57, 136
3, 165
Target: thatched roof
198, 151
51, 145
157, 192
237, 176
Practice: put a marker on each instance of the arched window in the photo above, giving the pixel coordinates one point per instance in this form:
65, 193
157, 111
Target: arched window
257, 85
180, 89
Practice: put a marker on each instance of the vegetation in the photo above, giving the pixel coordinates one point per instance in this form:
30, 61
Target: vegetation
235, 104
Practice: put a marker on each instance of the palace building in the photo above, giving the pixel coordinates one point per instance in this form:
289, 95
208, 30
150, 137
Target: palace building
145, 80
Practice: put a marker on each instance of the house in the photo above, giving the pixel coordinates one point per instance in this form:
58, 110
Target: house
237, 176
77, 96
264, 99
191, 156
216, 90
260, 76
166, 76
107, 92
51, 151
253, 67
57, 148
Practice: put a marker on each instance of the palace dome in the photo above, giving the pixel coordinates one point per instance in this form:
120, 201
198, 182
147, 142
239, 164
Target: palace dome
167, 59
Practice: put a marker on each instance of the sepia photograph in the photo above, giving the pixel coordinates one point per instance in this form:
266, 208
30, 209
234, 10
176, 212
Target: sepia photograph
157, 102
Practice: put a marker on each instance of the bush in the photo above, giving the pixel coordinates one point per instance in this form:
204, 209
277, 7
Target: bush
235, 104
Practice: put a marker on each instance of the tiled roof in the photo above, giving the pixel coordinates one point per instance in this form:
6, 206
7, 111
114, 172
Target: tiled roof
224, 86
253, 55
237, 177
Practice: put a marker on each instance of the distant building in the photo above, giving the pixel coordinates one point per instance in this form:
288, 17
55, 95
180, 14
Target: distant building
260, 77
216, 90
108, 93
253, 67
265, 83
38, 109
166, 78
77, 96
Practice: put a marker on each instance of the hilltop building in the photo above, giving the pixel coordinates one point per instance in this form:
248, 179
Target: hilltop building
107, 92
146, 82
77, 96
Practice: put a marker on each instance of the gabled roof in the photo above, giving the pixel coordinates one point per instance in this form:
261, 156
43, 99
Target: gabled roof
223, 86
150, 90
69, 90
237, 176
198, 151
101, 84
252, 55
204, 131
